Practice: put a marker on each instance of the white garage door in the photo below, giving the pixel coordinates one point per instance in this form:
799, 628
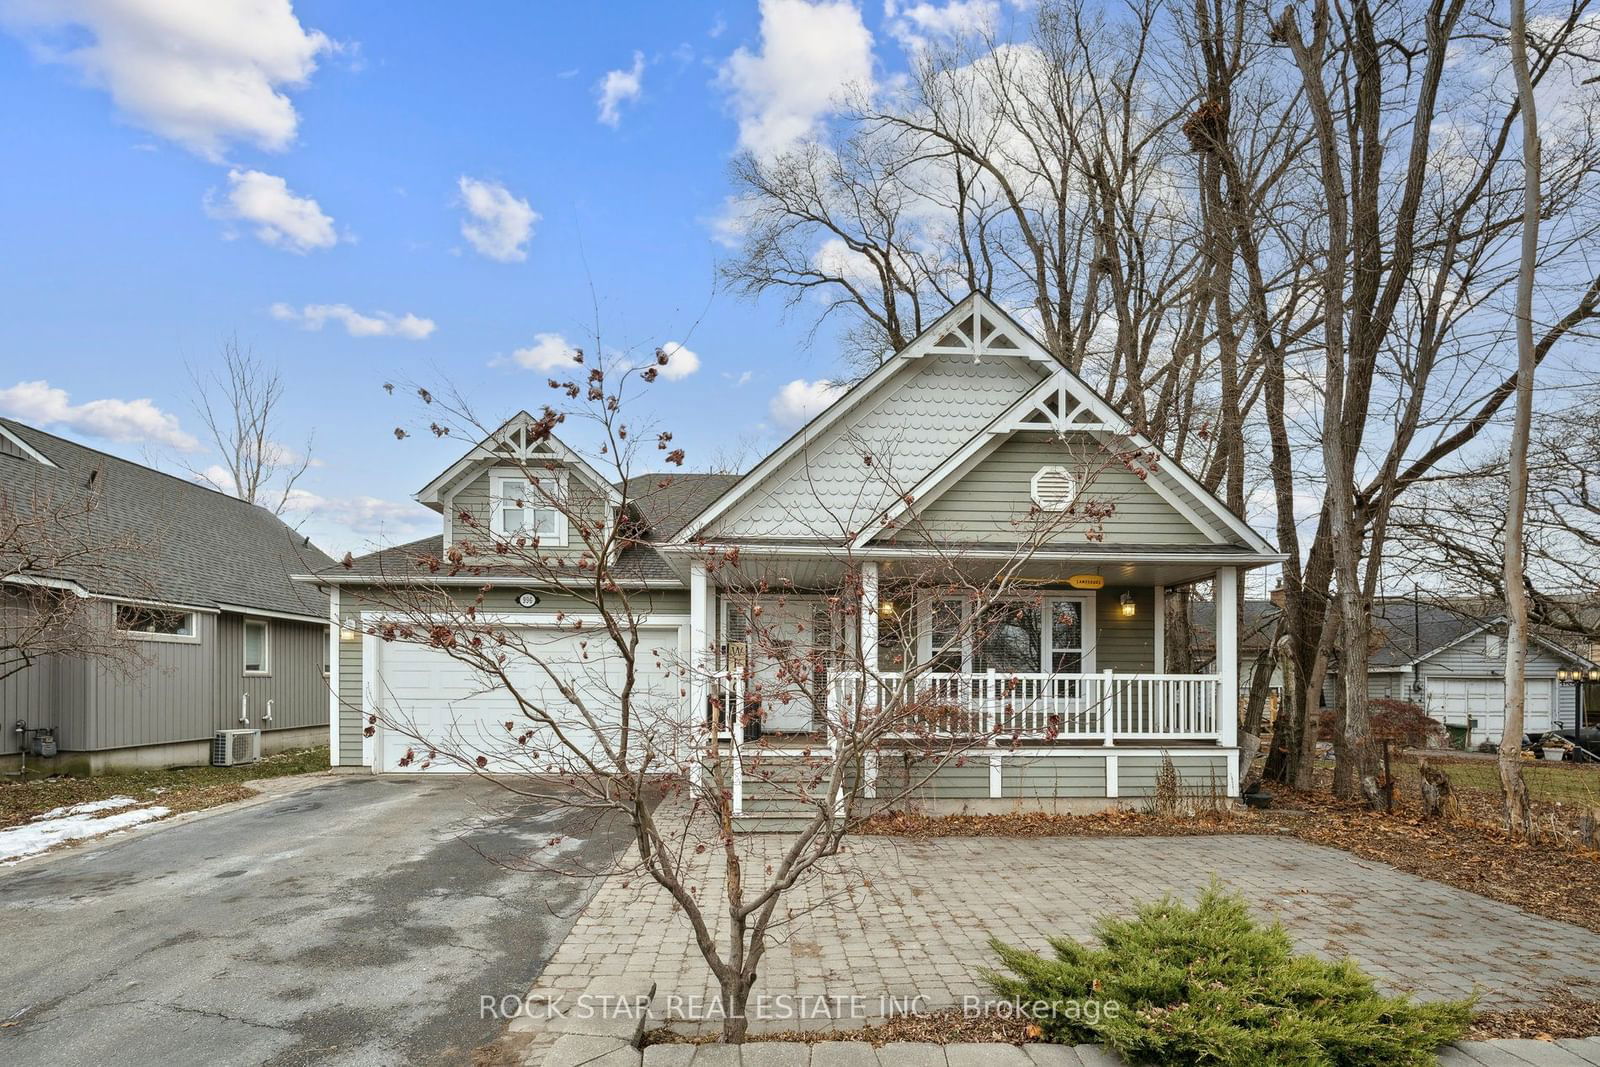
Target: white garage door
1455, 701
431, 700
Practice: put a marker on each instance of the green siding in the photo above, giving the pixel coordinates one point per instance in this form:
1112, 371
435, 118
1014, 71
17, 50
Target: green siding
991, 502
1125, 645
1136, 775
1025, 776
472, 497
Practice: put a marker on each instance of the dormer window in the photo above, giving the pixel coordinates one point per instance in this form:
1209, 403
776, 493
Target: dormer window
1054, 488
525, 506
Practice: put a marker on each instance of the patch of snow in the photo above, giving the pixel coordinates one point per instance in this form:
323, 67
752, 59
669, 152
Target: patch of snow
49, 830
88, 808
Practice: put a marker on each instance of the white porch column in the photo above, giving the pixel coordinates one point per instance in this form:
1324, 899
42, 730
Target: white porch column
699, 640
1159, 617
1227, 616
869, 620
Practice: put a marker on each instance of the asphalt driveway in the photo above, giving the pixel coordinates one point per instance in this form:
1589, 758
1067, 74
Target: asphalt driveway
357, 921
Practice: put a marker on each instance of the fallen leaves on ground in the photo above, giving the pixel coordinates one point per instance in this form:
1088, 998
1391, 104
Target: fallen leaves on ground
936, 1027
1043, 824
1562, 1015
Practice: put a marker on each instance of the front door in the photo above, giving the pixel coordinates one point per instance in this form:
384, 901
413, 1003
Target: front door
789, 648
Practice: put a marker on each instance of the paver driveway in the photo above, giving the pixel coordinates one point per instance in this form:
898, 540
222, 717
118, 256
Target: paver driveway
922, 925
353, 922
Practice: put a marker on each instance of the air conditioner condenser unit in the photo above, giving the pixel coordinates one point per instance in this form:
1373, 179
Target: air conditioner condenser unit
230, 747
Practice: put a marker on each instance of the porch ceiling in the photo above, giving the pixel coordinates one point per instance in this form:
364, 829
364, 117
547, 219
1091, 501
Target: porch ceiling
828, 571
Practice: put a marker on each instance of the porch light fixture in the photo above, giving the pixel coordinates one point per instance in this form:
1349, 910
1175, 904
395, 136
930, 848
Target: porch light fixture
886, 609
1129, 608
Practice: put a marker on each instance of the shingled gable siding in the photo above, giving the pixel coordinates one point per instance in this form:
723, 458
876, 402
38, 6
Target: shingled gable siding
991, 502
503, 598
918, 419
473, 497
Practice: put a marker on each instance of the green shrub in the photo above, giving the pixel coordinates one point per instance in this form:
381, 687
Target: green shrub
1210, 985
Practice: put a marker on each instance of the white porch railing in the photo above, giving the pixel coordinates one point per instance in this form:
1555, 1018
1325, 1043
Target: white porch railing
1105, 707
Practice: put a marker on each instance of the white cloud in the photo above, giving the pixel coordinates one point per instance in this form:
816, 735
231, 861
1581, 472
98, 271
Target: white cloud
810, 52
377, 324
680, 362
203, 73
799, 401
619, 86
548, 351
499, 223
281, 219
913, 25
338, 523
135, 421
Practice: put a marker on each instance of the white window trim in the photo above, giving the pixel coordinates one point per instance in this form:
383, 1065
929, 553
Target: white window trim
498, 477
1086, 598
1054, 469
190, 638
266, 648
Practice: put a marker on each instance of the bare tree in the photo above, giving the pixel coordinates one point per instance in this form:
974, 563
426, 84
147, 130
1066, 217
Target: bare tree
239, 403
1518, 816
633, 729
52, 553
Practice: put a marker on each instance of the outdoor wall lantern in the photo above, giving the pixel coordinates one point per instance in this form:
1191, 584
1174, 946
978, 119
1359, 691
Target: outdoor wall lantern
1129, 608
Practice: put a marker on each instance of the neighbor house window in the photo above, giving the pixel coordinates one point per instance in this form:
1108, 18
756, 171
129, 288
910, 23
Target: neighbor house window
256, 650
158, 623
522, 506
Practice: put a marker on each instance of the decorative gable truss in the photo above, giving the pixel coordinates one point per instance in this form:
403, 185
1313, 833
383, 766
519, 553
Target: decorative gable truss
514, 445
1061, 404
975, 331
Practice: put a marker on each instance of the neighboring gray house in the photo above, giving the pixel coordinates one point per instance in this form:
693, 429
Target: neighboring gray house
1448, 659
196, 588
983, 428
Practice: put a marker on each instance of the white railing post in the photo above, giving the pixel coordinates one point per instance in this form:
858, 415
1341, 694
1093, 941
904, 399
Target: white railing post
869, 769
1227, 616
1108, 707
996, 775
991, 699
838, 796
869, 636
699, 641
738, 777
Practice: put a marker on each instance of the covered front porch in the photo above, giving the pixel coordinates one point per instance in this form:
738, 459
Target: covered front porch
1055, 692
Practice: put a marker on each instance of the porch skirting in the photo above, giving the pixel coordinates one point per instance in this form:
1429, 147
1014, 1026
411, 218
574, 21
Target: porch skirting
775, 784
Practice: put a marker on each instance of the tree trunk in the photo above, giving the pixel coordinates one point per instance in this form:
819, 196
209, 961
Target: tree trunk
1438, 798
1179, 639
1514, 791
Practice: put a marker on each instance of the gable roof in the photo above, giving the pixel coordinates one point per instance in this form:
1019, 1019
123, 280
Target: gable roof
196, 546
491, 449
662, 502
1059, 401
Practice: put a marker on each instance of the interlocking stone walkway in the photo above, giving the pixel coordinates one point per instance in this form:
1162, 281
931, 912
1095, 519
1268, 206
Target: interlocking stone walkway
911, 918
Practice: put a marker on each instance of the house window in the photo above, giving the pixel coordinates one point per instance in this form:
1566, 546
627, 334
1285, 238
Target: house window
169, 624
1054, 488
256, 647
523, 507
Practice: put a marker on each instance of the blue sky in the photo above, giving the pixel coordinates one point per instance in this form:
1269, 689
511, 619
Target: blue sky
176, 170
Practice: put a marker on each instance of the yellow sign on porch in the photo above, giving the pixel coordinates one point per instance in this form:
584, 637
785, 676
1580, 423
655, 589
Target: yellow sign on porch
1086, 581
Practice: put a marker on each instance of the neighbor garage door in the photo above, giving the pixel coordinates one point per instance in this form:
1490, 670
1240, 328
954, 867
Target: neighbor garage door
1483, 700
431, 700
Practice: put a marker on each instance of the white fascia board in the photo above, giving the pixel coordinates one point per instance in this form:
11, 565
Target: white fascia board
245, 609
498, 581
429, 495
1225, 559
31, 452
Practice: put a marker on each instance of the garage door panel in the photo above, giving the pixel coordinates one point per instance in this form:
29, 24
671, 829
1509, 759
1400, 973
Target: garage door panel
435, 702
1482, 702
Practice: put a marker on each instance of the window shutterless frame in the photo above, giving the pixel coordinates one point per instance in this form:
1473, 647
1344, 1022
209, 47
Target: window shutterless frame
257, 647
509, 486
